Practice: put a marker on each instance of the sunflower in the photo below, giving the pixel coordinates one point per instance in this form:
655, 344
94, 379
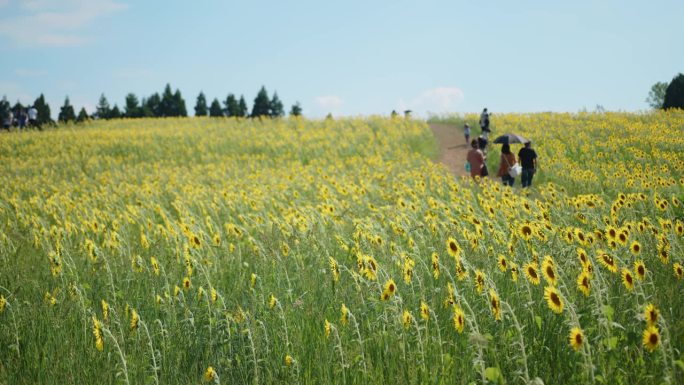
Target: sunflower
584, 283
453, 248
503, 264
678, 270
408, 269
553, 299
334, 269
635, 248
435, 265
549, 271
135, 319
664, 255
496, 304
579, 234
424, 311
479, 280
371, 268
288, 360
186, 283
272, 301
611, 232
623, 236
514, 272
390, 289
582, 255
531, 273
210, 375
627, 279
525, 231
679, 228
651, 314
651, 338
607, 261
406, 319
344, 314
588, 268
461, 272
640, 270
459, 319
576, 338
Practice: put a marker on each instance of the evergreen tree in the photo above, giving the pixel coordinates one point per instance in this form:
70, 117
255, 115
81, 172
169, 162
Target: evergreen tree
296, 110
242, 107
103, 110
179, 104
132, 109
276, 108
66, 113
4, 108
82, 116
262, 105
44, 116
201, 105
152, 106
674, 95
166, 106
232, 106
115, 113
215, 110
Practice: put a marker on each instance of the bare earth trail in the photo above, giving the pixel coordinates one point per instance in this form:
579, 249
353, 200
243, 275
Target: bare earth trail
452, 147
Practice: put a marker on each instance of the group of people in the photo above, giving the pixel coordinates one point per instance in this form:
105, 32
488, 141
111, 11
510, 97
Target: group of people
20, 118
508, 165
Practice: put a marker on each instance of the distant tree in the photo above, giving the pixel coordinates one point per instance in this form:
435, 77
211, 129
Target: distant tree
215, 110
242, 107
166, 106
179, 104
201, 105
276, 108
82, 116
4, 107
66, 113
262, 105
103, 110
44, 115
17, 109
656, 95
152, 106
296, 110
132, 109
115, 113
232, 106
674, 94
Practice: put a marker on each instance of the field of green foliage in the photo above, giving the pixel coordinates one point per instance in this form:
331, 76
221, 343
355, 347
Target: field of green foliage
187, 251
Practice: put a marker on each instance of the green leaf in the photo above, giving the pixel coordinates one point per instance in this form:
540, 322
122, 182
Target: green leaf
610, 343
492, 374
609, 312
599, 378
680, 363
539, 321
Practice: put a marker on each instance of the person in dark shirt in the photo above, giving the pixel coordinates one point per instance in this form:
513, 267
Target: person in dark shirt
528, 160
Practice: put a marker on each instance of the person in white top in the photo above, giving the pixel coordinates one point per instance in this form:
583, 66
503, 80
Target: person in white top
33, 116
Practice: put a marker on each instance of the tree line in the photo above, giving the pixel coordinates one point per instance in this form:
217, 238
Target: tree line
167, 104
665, 96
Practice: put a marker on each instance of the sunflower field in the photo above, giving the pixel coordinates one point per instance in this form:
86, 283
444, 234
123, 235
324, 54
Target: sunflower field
188, 251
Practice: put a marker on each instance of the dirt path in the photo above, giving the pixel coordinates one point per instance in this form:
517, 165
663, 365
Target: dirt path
452, 147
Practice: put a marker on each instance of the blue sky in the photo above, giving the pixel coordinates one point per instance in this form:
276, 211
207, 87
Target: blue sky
346, 57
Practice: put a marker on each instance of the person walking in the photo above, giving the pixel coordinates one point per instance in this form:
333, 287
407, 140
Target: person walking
507, 161
466, 132
484, 121
476, 159
528, 160
33, 116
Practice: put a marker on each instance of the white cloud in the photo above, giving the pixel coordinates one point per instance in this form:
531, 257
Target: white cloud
29, 72
56, 23
330, 102
436, 100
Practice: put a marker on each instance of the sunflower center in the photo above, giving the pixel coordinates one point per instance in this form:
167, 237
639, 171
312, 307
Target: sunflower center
578, 339
555, 299
653, 339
